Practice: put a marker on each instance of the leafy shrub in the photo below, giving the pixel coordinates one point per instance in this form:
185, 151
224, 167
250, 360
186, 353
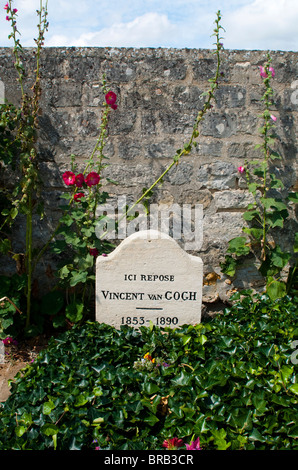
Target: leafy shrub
231, 381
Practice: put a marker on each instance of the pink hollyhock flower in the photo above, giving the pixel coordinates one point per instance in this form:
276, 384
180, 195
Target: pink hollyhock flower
94, 252
7, 18
8, 341
264, 74
78, 196
69, 178
79, 180
241, 169
194, 445
92, 179
14, 10
173, 443
273, 117
6, 7
111, 98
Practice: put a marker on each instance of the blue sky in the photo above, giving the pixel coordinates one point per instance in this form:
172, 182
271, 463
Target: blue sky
249, 24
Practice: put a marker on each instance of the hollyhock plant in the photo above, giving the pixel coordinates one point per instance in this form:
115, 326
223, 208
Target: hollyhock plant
194, 445
69, 178
94, 252
79, 181
173, 444
92, 179
111, 98
264, 74
9, 340
78, 196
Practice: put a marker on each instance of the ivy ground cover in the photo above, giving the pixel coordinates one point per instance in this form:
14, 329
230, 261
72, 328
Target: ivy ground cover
231, 382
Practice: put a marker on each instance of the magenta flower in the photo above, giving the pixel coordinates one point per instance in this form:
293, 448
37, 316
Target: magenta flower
69, 178
94, 252
14, 10
173, 443
194, 445
79, 181
264, 74
273, 117
7, 18
241, 169
6, 6
9, 340
92, 179
111, 98
78, 196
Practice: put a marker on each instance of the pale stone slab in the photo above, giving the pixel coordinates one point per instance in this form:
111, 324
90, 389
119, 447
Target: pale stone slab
148, 277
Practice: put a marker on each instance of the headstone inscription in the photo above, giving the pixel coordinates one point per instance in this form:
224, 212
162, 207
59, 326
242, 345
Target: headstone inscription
149, 277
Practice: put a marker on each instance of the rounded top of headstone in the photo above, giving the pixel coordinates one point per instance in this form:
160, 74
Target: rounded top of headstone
149, 235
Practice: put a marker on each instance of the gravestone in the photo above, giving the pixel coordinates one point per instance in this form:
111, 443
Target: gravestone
149, 278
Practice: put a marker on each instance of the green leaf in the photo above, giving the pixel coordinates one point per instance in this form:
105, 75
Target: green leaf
151, 420
255, 233
294, 388
47, 407
81, 400
77, 277
275, 289
14, 212
238, 246
220, 439
186, 339
255, 435
20, 430
251, 215
181, 379
74, 311
49, 429
229, 266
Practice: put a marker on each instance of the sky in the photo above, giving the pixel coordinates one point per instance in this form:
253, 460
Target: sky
248, 24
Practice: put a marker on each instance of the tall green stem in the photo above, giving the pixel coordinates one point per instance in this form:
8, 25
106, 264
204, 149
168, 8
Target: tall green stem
29, 232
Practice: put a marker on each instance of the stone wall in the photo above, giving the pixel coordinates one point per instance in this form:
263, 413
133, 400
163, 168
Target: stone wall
159, 95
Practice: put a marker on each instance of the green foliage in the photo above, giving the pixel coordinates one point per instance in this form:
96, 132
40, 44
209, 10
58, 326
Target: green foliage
230, 381
11, 321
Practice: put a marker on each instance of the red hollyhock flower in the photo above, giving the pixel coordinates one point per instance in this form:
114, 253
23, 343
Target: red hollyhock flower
92, 179
78, 196
111, 98
69, 178
79, 180
173, 443
94, 252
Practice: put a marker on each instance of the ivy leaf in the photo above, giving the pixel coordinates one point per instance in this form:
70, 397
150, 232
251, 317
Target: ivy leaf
238, 246
49, 429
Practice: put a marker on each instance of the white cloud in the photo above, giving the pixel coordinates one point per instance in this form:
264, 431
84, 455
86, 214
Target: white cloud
148, 30
249, 24
263, 24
